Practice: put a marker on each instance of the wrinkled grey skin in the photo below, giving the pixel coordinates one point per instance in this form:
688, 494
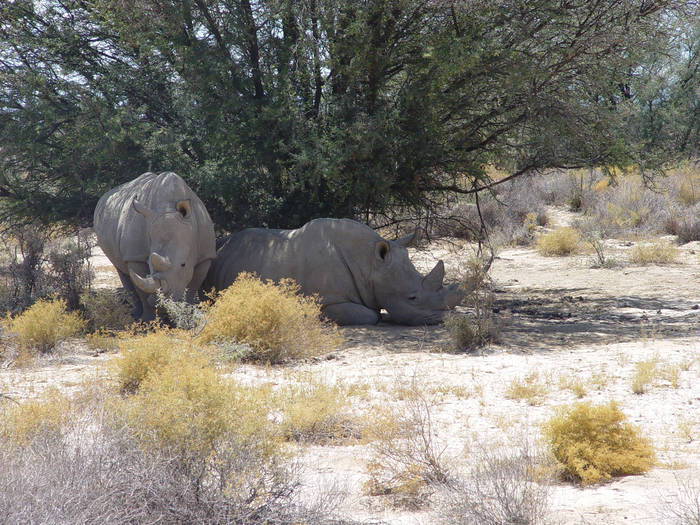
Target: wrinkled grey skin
354, 271
158, 235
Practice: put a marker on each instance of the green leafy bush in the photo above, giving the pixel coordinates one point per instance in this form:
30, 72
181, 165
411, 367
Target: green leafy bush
593, 443
276, 321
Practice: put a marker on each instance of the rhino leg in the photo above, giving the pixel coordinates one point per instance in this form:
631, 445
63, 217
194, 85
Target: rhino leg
142, 303
137, 310
194, 293
350, 313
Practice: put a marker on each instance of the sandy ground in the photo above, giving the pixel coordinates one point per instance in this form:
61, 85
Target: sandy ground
562, 319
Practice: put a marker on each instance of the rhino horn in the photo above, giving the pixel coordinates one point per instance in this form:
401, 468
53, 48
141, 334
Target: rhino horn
433, 281
146, 284
160, 263
406, 240
143, 210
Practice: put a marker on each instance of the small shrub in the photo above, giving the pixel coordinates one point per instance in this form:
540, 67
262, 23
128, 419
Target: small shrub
593, 443
69, 269
22, 423
405, 460
561, 241
181, 314
42, 326
689, 189
468, 333
505, 487
186, 407
23, 271
316, 413
276, 321
683, 506
688, 230
644, 375
146, 355
102, 341
661, 252
106, 309
530, 389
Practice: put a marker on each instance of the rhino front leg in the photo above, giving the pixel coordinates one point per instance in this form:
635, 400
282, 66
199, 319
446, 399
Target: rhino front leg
137, 310
147, 313
350, 313
194, 289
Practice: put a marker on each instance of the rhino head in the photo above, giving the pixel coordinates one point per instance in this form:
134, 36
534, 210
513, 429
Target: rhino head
407, 296
173, 249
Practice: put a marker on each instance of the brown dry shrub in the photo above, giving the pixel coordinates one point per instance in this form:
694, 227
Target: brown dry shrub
561, 241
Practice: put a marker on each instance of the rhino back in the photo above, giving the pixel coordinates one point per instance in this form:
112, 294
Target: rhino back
322, 256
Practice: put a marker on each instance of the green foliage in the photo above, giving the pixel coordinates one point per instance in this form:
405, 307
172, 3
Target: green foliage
43, 325
326, 108
276, 321
594, 443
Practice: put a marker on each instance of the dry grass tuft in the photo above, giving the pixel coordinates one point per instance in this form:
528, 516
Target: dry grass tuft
276, 321
660, 252
530, 388
594, 443
561, 241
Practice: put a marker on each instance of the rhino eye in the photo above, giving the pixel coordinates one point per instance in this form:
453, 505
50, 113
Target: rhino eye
412, 298
183, 264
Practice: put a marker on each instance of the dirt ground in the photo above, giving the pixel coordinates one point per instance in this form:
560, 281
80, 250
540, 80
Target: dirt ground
562, 319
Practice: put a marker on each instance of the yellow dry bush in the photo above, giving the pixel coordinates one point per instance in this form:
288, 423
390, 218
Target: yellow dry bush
661, 252
143, 355
21, 424
276, 321
46, 323
186, 407
317, 413
689, 188
594, 443
561, 241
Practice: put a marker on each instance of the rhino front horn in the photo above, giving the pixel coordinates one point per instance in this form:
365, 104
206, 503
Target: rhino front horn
159, 263
433, 281
145, 284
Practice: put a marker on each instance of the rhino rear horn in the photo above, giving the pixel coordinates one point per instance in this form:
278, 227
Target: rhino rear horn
407, 240
145, 284
143, 210
433, 281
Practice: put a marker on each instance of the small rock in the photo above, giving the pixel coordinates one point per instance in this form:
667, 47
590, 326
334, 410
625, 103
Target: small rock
695, 307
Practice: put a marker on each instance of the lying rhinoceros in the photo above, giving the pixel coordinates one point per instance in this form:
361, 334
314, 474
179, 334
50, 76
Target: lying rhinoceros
354, 271
158, 234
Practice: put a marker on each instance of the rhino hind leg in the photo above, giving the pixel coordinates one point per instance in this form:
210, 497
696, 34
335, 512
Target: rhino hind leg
351, 313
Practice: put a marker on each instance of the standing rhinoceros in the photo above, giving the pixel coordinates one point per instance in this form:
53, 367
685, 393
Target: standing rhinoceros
158, 234
354, 271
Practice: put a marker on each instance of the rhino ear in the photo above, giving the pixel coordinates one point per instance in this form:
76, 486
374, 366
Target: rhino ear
433, 281
381, 250
184, 207
407, 240
143, 210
